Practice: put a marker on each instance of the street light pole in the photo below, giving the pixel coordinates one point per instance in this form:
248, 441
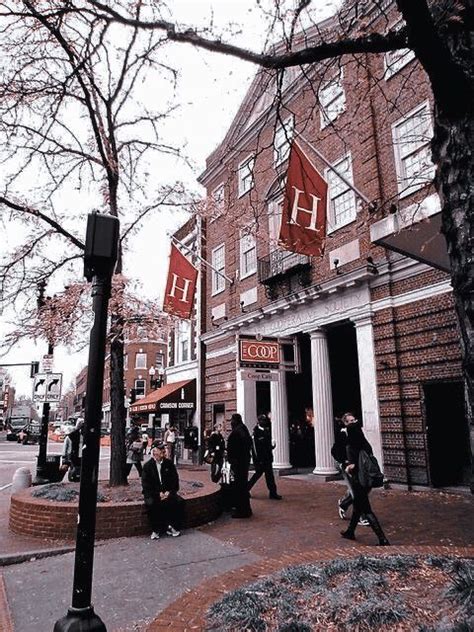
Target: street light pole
99, 260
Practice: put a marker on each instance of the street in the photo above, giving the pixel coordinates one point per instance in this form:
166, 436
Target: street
14, 455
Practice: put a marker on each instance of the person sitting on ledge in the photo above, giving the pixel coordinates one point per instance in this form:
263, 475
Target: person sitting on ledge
160, 485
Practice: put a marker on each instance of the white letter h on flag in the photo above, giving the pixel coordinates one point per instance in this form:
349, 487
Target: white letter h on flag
313, 212
184, 290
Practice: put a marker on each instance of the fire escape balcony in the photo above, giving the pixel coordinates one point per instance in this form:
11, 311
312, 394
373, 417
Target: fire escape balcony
281, 271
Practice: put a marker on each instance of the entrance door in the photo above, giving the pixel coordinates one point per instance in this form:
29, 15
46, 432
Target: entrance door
447, 433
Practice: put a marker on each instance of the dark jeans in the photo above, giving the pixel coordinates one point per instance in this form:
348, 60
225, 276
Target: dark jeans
267, 469
162, 513
129, 466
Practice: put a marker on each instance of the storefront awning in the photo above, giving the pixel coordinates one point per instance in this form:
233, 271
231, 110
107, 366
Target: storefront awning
415, 232
174, 396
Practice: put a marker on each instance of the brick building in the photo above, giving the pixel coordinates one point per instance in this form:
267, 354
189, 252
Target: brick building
365, 327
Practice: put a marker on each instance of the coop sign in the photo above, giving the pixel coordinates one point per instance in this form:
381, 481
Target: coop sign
259, 353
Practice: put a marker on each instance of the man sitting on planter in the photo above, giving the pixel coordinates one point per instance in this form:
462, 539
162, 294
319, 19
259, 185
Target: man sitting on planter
160, 485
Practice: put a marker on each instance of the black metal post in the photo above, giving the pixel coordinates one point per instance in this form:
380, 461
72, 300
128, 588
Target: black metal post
81, 616
42, 474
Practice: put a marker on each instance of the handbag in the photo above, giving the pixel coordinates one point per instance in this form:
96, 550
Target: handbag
208, 457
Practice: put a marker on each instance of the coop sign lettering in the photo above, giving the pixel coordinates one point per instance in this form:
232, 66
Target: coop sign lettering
259, 352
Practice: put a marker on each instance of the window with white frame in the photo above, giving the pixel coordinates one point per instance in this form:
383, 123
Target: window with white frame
217, 203
159, 360
332, 99
183, 341
395, 60
411, 142
125, 361
245, 174
275, 209
140, 388
140, 360
218, 262
248, 254
341, 199
282, 140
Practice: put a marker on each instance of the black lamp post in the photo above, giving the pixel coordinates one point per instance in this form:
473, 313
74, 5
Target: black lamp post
99, 261
42, 472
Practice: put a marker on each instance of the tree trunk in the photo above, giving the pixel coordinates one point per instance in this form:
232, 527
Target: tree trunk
452, 152
117, 405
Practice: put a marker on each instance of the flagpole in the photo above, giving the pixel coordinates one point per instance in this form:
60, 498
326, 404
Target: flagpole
330, 166
224, 276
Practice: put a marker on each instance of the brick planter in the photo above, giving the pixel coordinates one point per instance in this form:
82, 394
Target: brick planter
53, 520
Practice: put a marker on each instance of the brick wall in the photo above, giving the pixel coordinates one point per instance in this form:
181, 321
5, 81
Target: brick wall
57, 520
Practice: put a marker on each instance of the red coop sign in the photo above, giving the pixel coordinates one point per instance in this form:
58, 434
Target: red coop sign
262, 353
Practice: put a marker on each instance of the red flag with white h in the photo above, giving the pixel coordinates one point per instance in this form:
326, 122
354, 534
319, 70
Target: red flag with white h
303, 222
180, 285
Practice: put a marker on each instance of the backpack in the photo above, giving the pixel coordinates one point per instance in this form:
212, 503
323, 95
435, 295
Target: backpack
370, 474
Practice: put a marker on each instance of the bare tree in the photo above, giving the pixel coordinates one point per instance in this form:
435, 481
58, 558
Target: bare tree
440, 33
74, 130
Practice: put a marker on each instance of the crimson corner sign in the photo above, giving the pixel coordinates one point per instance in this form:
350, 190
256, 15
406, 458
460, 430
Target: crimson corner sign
259, 353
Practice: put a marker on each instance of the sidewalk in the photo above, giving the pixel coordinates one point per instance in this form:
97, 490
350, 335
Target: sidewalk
135, 579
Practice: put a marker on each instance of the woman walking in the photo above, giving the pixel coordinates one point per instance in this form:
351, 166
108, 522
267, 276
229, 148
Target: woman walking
134, 448
356, 442
216, 448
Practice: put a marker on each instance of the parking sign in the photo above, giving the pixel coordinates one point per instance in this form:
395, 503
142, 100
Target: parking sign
47, 387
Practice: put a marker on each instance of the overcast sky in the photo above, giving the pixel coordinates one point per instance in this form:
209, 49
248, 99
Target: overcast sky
210, 90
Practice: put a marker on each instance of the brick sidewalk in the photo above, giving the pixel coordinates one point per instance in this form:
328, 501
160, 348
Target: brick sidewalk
304, 526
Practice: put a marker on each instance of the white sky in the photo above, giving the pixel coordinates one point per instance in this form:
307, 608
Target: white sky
210, 90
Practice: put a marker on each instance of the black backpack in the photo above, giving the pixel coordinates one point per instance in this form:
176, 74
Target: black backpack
370, 474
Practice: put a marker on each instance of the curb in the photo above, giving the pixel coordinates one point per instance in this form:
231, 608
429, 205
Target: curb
19, 558
6, 621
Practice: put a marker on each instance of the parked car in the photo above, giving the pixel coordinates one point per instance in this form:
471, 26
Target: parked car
14, 426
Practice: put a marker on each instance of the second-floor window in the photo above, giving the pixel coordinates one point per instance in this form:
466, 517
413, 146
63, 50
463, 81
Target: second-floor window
160, 360
140, 386
218, 262
140, 360
125, 361
341, 199
411, 141
248, 254
332, 100
395, 60
183, 341
245, 174
282, 140
216, 203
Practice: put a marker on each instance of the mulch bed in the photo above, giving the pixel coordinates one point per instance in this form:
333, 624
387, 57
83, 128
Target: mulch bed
69, 492
387, 594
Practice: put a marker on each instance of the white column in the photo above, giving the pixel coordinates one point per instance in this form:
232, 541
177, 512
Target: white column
368, 383
246, 400
280, 431
322, 404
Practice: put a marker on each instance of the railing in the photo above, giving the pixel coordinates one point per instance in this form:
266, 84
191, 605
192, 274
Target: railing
279, 262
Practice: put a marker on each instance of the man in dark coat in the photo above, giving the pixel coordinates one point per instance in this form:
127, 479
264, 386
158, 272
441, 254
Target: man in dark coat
262, 438
160, 485
239, 448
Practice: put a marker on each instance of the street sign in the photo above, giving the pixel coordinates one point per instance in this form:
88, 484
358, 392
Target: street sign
47, 387
47, 364
259, 376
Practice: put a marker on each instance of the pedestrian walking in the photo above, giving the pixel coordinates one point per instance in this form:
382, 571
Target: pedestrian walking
160, 486
170, 437
357, 443
215, 452
239, 449
134, 449
339, 454
264, 446
72, 450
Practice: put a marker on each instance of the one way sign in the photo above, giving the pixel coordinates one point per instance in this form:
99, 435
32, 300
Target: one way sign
47, 387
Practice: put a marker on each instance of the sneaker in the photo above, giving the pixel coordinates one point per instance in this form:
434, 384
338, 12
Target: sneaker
341, 511
348, 535
172, 532
363, 522
154, 536
275, 497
